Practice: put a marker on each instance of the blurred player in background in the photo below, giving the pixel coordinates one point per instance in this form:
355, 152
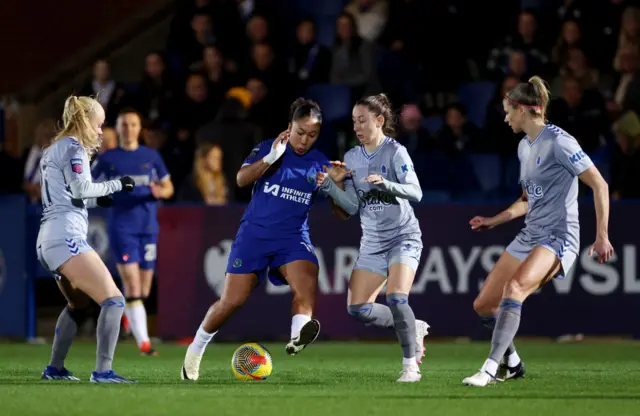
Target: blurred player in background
132, 223
551, 161
273, 233
379, 182
67, 192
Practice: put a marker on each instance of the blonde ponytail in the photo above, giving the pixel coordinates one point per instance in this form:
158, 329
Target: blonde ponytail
76, 122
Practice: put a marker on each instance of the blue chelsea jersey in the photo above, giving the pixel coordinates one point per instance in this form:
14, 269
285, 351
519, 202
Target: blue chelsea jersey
132, 212
283, 196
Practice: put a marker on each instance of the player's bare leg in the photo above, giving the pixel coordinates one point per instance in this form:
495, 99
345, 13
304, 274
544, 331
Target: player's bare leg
66, 329
87, 273
302, 276
487, 304
237, 288
398, 286
538, 268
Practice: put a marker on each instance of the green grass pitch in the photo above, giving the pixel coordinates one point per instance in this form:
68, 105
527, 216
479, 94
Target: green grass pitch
329, 379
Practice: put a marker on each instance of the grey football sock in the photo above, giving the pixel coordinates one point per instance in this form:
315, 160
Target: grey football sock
107, 331
489, 322
506, 328
404, 322
66, 329
372, 314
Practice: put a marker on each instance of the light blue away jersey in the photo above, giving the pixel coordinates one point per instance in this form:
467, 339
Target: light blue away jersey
549, 166
384, 218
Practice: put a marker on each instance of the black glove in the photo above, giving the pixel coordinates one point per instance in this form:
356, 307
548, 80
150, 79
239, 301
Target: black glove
127, 183
104, 201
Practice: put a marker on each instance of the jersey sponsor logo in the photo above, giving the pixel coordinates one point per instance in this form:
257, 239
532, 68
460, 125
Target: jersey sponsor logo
376, 200
533, 191
289, 194
76, 165
577, 156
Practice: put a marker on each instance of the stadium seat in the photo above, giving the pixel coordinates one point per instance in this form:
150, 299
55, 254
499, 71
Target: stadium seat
434, 171
475, 96
326, 30
335, 100
435, 197
487, 169
318, 8
433, 124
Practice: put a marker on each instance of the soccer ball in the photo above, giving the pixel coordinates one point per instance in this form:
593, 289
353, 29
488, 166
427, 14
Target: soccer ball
251, 362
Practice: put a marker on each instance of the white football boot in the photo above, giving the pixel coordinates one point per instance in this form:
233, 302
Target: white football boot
410, 374
480, 379
307, 335
191, 366
422, 330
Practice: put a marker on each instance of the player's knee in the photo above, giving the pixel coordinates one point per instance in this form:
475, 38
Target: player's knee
232, 302
360, 311
483, 308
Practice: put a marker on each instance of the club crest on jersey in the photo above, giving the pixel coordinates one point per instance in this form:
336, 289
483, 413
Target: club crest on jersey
311, 179
76, 165
237, 263
383, 169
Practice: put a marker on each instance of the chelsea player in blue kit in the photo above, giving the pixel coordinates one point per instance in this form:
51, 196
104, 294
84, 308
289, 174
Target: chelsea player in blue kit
132, 222
273, 238
551, 162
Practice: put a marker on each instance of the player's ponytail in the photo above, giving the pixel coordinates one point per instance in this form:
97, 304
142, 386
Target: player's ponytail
75, 123
302, 108
532, 95
380, 105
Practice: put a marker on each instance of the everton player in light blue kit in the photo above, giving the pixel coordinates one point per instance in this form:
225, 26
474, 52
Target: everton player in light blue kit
273, 236
132, 222
379, 182
62, 249
551, 161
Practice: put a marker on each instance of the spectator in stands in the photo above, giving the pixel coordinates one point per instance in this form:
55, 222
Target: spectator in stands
45, 132
570, 36
622, 89
625, 160
458, 134
629, 37
582, 114
577, 67
207, 183
195, 109
234, 135
109, 93
202, 35
527, 39
266, 109
264, 66
371, 17
157, 91
258, 30
353, 58
411, 134
310, 62
219, 79
109, 139
404, 32
517, 65
499, 136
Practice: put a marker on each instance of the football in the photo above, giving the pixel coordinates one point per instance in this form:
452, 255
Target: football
251, 362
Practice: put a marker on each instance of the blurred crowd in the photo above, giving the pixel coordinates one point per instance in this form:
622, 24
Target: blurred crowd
231, 68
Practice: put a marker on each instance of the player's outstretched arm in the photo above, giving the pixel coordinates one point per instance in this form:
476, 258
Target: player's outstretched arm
336, 209
596, 182
247, 175
516, 210
345, 199
78, 175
